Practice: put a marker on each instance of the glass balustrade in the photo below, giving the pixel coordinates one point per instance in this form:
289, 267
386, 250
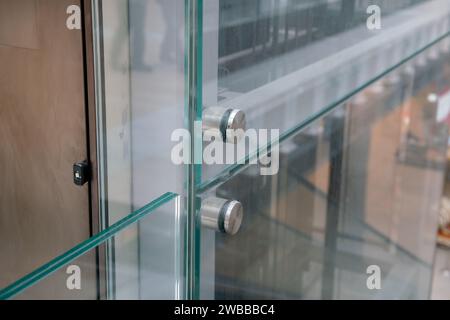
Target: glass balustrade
357, 188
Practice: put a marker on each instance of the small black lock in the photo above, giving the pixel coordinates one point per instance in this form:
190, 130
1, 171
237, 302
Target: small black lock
81, 173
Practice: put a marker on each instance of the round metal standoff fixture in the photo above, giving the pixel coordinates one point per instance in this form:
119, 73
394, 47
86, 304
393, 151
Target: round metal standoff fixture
221, 121
222, 215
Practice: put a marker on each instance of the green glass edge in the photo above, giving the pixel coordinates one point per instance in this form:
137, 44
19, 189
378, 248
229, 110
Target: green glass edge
230, 171
193, 113
199, 150
46, 270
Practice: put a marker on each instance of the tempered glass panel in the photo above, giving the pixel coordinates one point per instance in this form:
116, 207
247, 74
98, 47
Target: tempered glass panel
356, 191
140, 74
156, 275
283, 62
139, 59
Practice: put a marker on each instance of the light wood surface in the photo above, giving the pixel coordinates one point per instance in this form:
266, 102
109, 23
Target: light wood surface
42, 133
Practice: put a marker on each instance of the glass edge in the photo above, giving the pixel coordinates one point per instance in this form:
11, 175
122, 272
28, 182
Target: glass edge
193, 113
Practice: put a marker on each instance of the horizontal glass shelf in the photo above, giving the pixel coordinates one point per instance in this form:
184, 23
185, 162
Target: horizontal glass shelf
88, 272
278, 38
288, 89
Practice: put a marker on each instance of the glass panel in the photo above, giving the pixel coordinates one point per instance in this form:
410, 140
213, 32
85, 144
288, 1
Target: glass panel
355, 193
156, 275
140, 74
284, 61
139, 59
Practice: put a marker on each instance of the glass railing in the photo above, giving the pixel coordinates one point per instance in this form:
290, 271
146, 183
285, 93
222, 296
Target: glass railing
286, 63
356, 194
135, 258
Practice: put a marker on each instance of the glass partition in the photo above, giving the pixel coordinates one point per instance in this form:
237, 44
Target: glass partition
139, 59
155, 274
356, 195
283, 62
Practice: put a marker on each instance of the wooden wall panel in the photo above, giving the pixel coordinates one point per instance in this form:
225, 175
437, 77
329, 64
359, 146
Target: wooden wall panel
42, 133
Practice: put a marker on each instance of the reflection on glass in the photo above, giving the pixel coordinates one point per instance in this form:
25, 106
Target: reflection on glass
357, 189
81, 273
265, 36
285, 62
